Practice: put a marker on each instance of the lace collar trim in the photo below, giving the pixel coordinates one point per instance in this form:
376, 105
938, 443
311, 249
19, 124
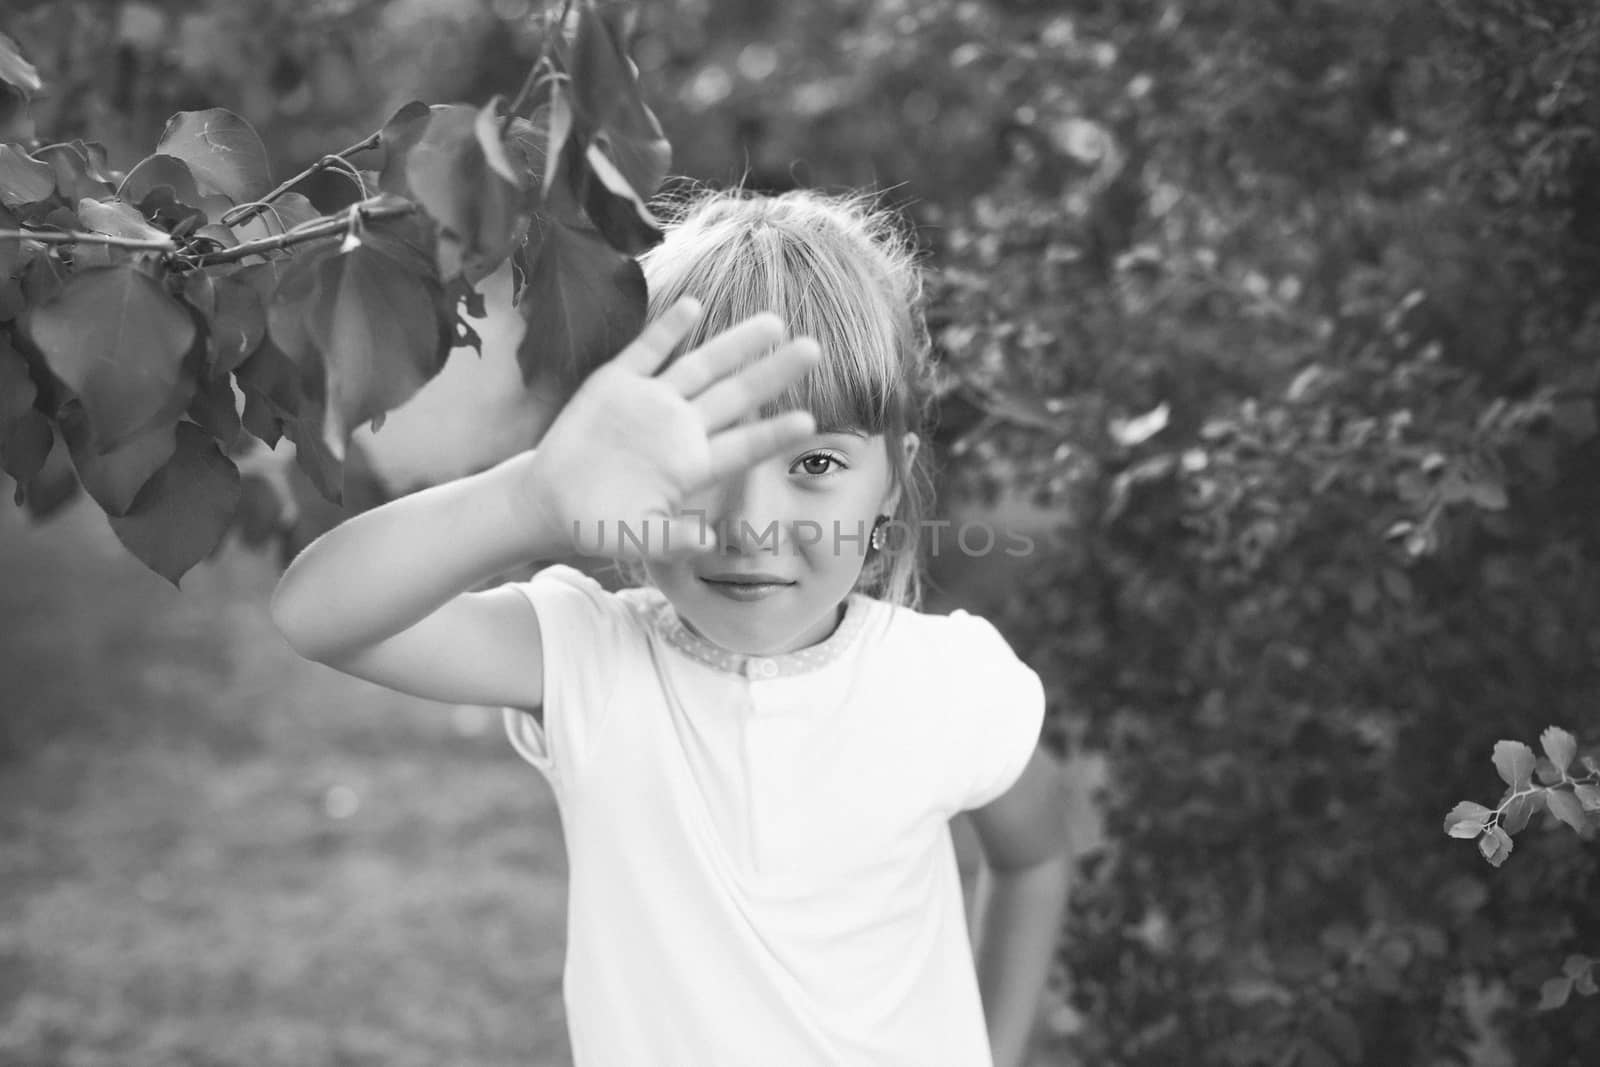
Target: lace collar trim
778, 665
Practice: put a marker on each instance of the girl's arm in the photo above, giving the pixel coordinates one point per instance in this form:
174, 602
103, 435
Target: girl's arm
1022, 894
383, 595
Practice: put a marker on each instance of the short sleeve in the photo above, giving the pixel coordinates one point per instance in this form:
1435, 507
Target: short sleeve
996, 714
586, 633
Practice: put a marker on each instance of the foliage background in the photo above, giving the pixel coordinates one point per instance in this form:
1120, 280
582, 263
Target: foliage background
1285, 312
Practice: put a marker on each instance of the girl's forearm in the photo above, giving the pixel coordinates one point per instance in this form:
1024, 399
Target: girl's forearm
1019, 920
383, 570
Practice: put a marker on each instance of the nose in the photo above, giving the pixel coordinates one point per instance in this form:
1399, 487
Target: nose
748, 513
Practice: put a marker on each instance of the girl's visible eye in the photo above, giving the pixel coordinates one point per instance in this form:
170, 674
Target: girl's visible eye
811, 461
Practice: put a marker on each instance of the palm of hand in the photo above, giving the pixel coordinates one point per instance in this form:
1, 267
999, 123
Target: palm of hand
630, 447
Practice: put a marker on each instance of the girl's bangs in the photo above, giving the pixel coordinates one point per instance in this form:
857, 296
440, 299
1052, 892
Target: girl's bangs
856, 385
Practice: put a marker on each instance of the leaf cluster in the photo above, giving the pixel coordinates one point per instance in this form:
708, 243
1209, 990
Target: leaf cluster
162, 324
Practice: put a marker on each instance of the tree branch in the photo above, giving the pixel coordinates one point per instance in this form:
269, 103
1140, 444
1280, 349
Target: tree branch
51, 237
327, 226
245, 212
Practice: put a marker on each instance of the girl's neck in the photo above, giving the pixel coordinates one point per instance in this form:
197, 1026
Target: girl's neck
838, 619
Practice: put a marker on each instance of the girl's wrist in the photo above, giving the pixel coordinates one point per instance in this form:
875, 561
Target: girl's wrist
525, 490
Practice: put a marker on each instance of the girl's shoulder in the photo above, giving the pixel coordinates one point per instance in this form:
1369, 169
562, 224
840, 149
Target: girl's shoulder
956, 642
625, 607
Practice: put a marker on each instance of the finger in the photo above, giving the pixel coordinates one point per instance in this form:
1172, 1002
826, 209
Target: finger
657, 340
723, 354
741, 395
742, 447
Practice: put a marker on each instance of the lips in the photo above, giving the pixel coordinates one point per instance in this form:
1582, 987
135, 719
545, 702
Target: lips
731, 578
745, 588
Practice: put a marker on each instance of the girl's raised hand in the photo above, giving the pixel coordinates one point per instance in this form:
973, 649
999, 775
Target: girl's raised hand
632, 445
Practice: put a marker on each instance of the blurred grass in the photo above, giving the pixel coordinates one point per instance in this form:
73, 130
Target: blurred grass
213, 853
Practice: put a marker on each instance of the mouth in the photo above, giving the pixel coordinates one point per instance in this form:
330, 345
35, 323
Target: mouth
755, 578
746, 587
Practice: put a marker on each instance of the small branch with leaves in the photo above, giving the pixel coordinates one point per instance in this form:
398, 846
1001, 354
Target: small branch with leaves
1573, 799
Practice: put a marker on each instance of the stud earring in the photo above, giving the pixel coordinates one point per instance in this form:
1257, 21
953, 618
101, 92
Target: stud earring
879, 534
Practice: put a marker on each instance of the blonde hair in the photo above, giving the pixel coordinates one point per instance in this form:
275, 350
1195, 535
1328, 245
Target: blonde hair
843, 271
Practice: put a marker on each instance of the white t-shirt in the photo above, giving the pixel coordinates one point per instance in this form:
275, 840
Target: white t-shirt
761, 868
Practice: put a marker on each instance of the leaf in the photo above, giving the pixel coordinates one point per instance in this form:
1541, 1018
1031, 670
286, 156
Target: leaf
182, 513
1575, 966
475, 207
215, 410
606, 99
1466, 819
118, 219
15, 123
23, 179
398, 136
1567, 808
11, 302
25, 434
1519, 811
616, 209
487, 128
117, 340
238, 323
1496, 846
114, 477
1546, 772
157, 172
288, 308
222, 151
1560, 746
1514, 761
1140, 428
322, 467
1585, 984
375, 326
258, 417
557, 139
526, 146
78, 173
1553, 993
17, 71
1588, 796
583, 302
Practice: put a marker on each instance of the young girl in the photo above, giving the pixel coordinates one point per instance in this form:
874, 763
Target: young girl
757, 751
